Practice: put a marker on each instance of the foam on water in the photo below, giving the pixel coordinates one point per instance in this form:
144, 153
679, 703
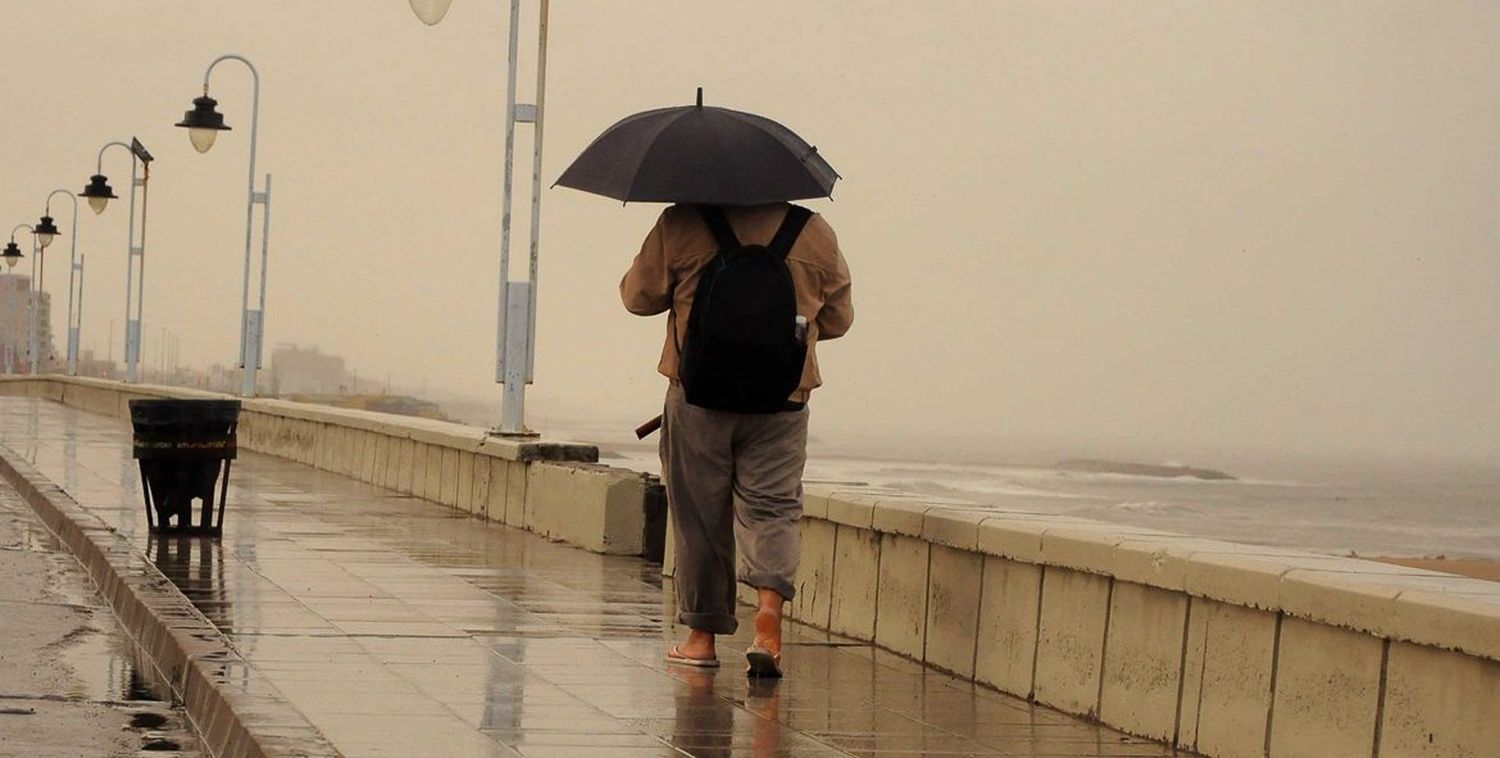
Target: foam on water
1376, 509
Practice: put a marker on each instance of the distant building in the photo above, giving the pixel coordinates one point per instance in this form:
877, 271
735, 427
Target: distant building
305, 371
15, 339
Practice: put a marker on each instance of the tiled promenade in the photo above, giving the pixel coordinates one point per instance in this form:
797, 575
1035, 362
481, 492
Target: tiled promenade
402, 628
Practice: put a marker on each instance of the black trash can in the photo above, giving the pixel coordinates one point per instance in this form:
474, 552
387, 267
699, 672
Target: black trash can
183, 447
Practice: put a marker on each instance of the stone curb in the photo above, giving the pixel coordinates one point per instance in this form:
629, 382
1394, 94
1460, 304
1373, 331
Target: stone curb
215, 685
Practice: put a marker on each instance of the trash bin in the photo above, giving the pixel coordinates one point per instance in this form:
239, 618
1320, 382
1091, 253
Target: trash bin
183, 446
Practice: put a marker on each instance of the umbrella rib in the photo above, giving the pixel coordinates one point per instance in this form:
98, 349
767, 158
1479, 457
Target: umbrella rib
666, 124
795, 140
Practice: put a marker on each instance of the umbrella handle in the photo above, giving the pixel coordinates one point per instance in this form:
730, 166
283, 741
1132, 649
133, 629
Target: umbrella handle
644, 430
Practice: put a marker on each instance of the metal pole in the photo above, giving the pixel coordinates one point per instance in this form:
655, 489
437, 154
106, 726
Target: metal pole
140, 253
132, 334
30, 296
41, 262
510, 414
77, 326
72, 278
250, 321
132, 329
265, 240
35, 307
536, 189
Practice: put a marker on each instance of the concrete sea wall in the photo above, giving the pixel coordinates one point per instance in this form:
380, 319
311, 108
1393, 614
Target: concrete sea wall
1223, 648
557, 490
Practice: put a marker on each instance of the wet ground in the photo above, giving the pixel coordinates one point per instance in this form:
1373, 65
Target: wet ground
68, 682
402, 628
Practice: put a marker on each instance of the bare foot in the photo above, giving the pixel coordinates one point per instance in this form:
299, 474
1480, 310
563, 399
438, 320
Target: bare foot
699, 646
768, 621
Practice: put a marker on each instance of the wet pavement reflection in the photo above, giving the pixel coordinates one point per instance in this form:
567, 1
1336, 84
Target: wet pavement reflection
403, 628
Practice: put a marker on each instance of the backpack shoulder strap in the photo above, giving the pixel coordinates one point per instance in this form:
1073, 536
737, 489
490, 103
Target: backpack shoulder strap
718, 223
791, 227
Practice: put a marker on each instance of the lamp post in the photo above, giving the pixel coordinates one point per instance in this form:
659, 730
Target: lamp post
515, 364
204, 123
33, 292
75, 273
98, 193
12, 255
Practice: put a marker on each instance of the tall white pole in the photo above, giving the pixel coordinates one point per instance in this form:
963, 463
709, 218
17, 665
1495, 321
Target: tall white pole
73, 276
536, 188
139, 254
34, 307
513, 399
78, 314
133, 253
515, 325
30, 297
251, 320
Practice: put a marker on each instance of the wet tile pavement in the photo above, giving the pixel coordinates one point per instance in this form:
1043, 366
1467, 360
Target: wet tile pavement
403, 628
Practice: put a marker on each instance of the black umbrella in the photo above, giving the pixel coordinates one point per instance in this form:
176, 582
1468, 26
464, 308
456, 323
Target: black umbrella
704, 155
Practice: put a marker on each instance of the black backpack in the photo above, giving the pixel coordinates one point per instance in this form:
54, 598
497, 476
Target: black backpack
744, 352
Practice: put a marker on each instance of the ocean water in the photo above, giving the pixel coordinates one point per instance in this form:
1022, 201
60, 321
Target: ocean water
1369, 508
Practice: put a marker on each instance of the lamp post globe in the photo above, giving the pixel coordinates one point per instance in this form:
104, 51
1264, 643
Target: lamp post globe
98, 193
12, 254
203, 122
45, 231
431, 11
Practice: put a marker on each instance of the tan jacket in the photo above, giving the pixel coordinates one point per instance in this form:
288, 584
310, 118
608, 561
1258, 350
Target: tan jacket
664, 277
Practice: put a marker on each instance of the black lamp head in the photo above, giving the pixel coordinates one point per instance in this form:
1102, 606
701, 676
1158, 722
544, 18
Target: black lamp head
98, 193
98, 187
11, 255
45, 226
45, 231
204, 115
203, 123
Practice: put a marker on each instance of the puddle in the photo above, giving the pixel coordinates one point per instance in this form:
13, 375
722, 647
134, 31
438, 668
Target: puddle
90, 666
103, 667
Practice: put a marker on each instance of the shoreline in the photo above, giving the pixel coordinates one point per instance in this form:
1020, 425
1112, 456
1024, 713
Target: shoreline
1475, 568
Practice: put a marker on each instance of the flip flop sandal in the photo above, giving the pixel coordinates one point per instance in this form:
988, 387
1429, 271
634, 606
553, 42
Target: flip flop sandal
675, 656
762, 664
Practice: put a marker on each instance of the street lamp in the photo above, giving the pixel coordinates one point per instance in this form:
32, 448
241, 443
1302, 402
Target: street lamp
12, 255
204, 123
515, 364
34, 293
75, 274
99, 193
45, 231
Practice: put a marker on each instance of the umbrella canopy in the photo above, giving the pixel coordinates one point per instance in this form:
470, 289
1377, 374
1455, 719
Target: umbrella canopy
702, 155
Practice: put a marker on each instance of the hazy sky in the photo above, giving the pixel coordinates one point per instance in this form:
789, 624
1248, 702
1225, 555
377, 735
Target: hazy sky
1176, 226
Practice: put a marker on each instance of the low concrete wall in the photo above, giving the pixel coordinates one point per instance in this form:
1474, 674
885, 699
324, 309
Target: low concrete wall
1227, 649
1222, 648
554, 489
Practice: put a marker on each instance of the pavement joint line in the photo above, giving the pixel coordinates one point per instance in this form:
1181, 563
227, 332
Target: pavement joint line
179, 652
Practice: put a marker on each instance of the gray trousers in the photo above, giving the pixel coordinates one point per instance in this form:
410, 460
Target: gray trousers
733, 480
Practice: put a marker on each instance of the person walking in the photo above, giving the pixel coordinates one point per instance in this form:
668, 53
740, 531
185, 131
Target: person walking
749, 291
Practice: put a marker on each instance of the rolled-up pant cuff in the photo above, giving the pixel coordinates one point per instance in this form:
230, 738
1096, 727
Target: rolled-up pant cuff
713, 623
782, 587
